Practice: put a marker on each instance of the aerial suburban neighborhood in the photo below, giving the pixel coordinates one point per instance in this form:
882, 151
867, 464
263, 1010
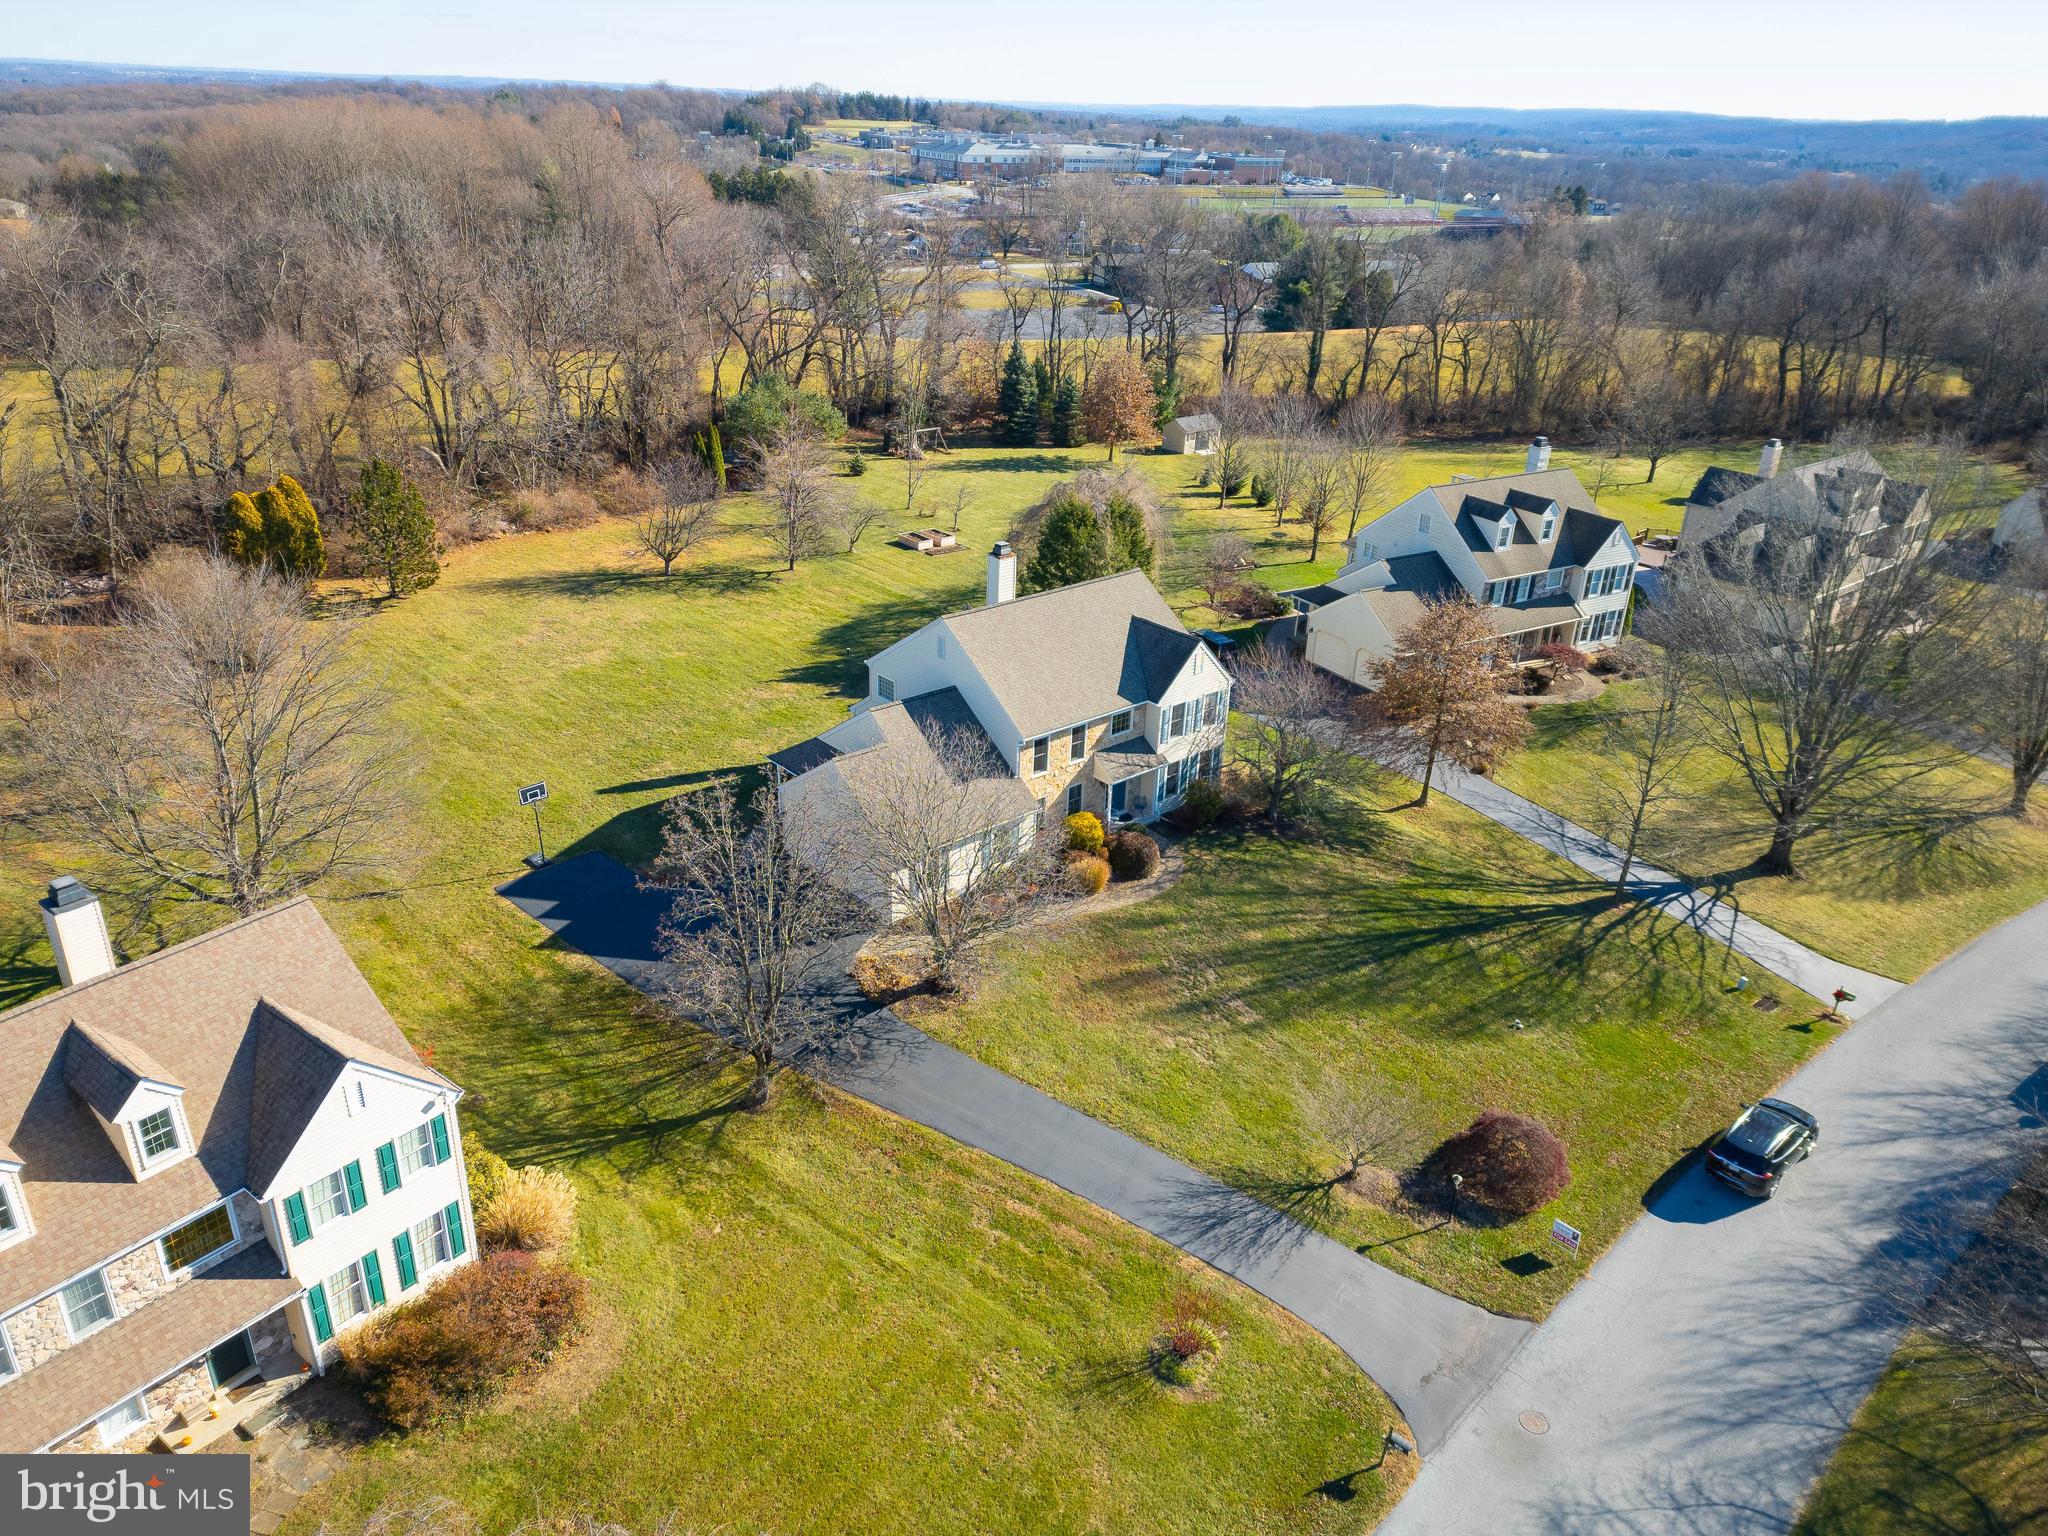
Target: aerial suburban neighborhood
957, 806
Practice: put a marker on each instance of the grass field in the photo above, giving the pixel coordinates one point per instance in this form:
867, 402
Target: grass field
1893, 906
1389, 966
819, 1318
1915, 1465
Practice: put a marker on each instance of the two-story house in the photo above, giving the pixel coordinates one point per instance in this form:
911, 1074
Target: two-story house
214, 1162
1090, 697
1533, 549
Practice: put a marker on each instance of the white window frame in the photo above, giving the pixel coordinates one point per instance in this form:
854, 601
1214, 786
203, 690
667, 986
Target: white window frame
124, 1430
316, 1204
885, 689
106, 1295
1077, 743
1549, 525
163, 1243
1120, 723
416, 1149
170, 1119
1522, 586
1041, 753
15, 1208
1507, 534
430, 1246
347, 1285
10, 1367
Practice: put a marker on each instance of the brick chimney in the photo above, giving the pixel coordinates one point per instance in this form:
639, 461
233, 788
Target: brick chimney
78, 932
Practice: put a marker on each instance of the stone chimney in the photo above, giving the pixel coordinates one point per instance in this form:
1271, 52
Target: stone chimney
1539, 456
1767, 461
78, 932
1002, 574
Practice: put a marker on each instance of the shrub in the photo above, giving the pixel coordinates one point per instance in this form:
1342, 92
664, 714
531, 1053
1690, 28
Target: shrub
1510, 1163
1084, 832
451, 1349
883, 978
1201, 805
1183, 1355
1248, 601
1132, 855
1089, 872
1566, 658
487, 1171
534, 1211
857, 463
1262, 491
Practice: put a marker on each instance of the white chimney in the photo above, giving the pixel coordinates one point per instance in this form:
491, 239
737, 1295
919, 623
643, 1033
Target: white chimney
78, 932
1002, 574
1539, 456
1767, 461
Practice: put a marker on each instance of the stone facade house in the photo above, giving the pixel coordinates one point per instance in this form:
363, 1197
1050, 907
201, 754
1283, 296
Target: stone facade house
1532, 549
1090, 697
214, 1162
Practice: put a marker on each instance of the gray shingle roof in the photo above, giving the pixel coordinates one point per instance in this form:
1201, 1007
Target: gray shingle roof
1075, 653
197, 1011
804, 756
105, 1070
119, 1360
1581, 531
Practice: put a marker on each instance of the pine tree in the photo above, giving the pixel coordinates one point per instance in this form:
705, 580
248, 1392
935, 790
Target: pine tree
711, 453
399, 539
1066, 414
1071, 547
1167, 390
1017, 400
1130, 546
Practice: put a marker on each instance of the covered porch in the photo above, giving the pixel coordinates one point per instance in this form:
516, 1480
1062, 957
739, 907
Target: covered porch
1527, 629
1127, 785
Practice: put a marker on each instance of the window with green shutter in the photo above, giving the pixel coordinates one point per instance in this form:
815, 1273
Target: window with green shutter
316, 1298
440, 1124
457, 1246
373, 1277
408, 1272
353, 1174
295, 1218
387, 1166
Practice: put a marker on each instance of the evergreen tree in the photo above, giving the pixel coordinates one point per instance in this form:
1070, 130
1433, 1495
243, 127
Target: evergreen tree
710, 450
1071, 547
1130, 546
241, 530
1167, 390
1066, 414
399, 540
297, 547
1042, 383
1017, 400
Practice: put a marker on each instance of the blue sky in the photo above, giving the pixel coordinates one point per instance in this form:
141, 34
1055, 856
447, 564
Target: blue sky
1784, 58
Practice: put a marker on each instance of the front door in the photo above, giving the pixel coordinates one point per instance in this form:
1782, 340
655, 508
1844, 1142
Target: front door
1117, 795
228, 1360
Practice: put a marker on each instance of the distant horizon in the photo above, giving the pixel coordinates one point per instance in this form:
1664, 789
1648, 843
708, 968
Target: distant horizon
1207, 109
1750, 59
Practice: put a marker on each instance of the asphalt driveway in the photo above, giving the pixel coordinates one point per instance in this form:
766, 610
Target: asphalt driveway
1433, 1354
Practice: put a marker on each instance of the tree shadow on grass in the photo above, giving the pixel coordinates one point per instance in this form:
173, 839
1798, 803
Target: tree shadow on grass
843, 648
23, 976
726, 579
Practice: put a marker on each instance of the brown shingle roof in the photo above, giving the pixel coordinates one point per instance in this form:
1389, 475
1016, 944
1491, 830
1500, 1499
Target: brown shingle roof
194, 1010
104, 1069
77, 1384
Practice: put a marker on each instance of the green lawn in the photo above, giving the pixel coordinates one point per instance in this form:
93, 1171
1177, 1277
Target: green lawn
1915, 1465
1891, 906
1390, 965
819, 1318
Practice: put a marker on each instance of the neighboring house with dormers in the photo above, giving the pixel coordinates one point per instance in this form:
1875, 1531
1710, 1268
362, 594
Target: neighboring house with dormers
214, 1162
1093, 697
1532, 549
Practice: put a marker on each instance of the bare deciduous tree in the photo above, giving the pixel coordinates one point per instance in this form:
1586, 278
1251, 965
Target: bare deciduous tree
1289, 749
801, 492
2011, 650
935, 834
1225, 559
1640, 764
685, 512
224, 749
1369, 428
749, 936
1445, 688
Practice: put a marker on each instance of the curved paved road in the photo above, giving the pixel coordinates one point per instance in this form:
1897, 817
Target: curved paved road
1431, 1353
1698, 1378
1676, 897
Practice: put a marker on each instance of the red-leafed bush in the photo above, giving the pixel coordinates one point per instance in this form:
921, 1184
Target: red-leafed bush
450, 1350
1566, 658
1509, 1163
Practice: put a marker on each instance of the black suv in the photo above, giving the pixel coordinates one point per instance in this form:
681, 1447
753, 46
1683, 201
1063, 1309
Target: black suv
1766, 1139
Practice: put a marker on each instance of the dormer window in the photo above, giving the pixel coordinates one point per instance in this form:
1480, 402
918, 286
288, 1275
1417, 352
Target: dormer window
1507, 534
1549, 523
158, 1134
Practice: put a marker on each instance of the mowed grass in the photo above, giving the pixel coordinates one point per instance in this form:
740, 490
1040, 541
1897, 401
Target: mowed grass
1390, 966
1890, 904
1917, 1464
817, 1319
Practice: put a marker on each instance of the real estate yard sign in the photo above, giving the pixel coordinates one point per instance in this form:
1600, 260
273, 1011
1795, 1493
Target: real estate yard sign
1561, 1232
